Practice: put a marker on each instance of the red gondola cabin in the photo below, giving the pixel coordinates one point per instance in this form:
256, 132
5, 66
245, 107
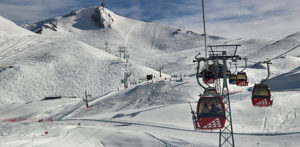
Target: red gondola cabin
210, 112
241, 79
261, 96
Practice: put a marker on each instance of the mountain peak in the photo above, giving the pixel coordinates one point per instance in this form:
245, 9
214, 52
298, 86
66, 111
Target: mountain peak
102, 17
91, 18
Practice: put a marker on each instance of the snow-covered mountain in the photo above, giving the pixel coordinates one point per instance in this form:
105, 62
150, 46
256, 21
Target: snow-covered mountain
34, 67
68, 57
41, 70
145, 42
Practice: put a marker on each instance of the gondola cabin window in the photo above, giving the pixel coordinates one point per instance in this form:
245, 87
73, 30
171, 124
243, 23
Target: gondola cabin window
210, 107
241, 76
232, 77
261, 92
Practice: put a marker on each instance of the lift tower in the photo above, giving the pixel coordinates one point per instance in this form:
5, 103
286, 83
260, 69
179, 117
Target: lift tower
226, 137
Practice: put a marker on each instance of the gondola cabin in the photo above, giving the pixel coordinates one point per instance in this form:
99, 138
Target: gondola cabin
241, 79
209, 77
232, 79
219, 74
210, 112
261, 96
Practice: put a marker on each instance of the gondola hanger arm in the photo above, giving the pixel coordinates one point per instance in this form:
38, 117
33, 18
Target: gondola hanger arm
268, 62
245, 58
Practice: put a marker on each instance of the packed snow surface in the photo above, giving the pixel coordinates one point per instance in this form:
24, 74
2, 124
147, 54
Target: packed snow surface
44, 77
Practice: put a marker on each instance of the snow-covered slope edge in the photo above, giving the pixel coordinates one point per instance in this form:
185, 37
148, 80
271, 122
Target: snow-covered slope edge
7, 26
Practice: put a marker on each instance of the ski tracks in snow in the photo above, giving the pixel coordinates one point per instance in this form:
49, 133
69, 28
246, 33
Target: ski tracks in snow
15, 47
162, 142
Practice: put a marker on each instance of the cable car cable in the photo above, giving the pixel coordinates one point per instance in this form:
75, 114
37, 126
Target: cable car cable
203, 15
280, 55
285, 52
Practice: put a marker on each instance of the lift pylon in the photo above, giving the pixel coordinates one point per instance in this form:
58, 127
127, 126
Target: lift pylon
226, 137
226, 134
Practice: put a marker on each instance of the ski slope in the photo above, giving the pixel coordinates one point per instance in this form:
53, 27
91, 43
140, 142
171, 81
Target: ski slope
71, 60
49, 64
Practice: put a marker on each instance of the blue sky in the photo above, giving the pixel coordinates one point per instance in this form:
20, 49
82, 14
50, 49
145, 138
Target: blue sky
229, 18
